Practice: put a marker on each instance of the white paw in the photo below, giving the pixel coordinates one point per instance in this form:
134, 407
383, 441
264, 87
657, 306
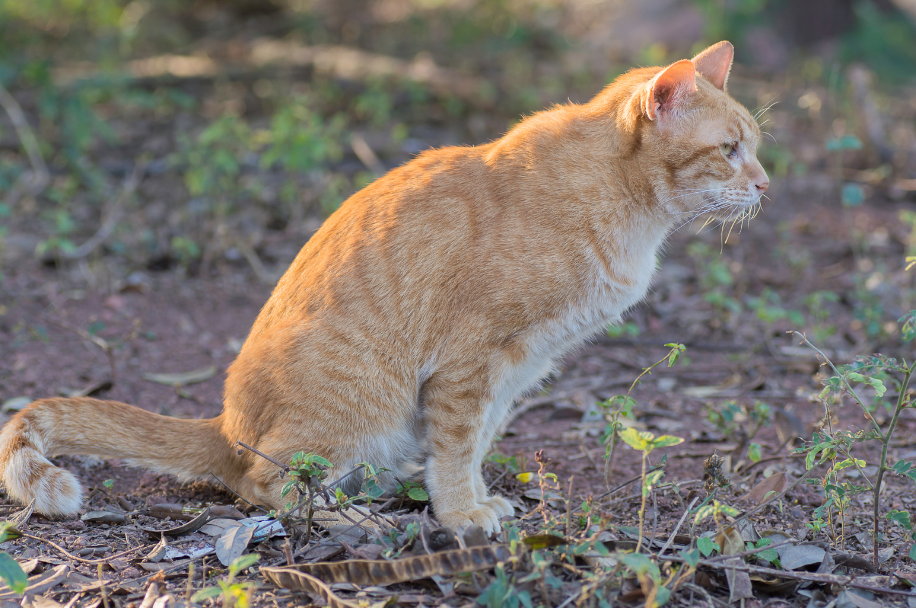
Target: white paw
499, 504
484, 516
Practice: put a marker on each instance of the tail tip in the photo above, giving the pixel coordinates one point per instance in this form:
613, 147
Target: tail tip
56, 492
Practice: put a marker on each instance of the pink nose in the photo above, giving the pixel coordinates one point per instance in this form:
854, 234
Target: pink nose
763, 185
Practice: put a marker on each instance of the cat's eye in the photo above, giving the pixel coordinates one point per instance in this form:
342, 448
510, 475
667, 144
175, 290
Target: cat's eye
730, 150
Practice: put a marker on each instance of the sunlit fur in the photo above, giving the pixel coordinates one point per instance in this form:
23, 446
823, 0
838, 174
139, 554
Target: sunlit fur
422, 309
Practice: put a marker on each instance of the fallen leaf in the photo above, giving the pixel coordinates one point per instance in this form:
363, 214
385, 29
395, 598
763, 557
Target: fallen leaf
186, 528
104, 517
382, 572
233, 542
793, 557
774, 484
182, 379
739, 582
857, 598
15, 404
41, 583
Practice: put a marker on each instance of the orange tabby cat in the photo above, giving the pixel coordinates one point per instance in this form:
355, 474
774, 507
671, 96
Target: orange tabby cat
436, 296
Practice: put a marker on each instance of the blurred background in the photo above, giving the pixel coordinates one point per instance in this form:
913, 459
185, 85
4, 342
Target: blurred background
210, 138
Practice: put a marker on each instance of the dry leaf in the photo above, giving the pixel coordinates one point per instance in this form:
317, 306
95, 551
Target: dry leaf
104, 517
186, 528
41, 583
763, 491
233, 542
739, 582
381, 572
793, 557
182, 379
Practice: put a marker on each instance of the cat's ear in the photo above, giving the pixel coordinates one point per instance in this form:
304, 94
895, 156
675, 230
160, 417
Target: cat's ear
715, 63
668, 92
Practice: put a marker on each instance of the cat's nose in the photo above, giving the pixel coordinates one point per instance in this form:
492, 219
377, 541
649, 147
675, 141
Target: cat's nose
763, 184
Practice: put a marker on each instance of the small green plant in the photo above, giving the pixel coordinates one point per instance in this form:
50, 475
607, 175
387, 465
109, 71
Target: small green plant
622, 405
645, 442
234, 594
10, 571
413, 490
875, 372
730, 418
503, 593
306, 472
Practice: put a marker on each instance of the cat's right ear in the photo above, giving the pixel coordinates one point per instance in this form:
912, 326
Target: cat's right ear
669, 91
715, 63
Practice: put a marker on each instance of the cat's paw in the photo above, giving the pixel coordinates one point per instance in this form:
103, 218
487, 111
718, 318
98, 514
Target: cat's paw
484, 516
499, 504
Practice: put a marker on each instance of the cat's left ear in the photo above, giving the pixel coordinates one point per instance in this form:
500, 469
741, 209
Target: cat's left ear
670, 90
715, 63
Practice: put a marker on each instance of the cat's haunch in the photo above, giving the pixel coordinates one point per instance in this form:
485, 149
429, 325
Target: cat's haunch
435, 297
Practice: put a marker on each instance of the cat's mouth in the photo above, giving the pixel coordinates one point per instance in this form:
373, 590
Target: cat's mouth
733, 217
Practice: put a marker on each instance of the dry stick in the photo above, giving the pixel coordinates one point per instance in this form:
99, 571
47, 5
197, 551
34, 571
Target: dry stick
102, 587
237, 495
40, 174
776, 496
678, 526
285, 468
792, 574
628, 482
81, 559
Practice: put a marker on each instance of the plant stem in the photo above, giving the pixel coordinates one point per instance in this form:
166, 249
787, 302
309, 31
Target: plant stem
846, 382
642, 506
901, 404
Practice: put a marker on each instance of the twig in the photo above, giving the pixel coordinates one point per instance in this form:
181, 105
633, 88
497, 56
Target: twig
82, 559
237, 495
110, 222
102, 589
40, 174
628, 482
285, 467
776, 496
678, 526
793, 574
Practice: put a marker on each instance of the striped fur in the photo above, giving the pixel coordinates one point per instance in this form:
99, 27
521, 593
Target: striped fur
432, 299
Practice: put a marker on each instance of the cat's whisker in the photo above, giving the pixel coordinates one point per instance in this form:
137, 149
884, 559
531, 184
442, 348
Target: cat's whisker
763, 110
768, 134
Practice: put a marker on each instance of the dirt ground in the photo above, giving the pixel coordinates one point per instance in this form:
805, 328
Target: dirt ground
133, 321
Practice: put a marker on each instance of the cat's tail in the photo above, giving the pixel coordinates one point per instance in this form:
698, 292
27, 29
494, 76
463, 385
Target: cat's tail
105, 429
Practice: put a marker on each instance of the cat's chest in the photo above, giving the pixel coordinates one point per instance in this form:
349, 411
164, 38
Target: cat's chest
591, 311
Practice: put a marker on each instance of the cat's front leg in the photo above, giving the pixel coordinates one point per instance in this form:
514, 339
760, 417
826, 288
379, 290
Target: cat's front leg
458, 436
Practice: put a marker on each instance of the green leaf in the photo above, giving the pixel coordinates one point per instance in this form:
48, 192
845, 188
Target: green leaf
205, 594
754, 452
848, 463
847, 142
853, 195
544, 541
913, 552
653, 477
417, 493
243, 561
706, 546
665, 441
12, 574
691, 557
770, 555
637, 440
901, 517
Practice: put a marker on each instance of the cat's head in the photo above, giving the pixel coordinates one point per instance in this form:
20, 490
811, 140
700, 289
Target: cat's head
703, 143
